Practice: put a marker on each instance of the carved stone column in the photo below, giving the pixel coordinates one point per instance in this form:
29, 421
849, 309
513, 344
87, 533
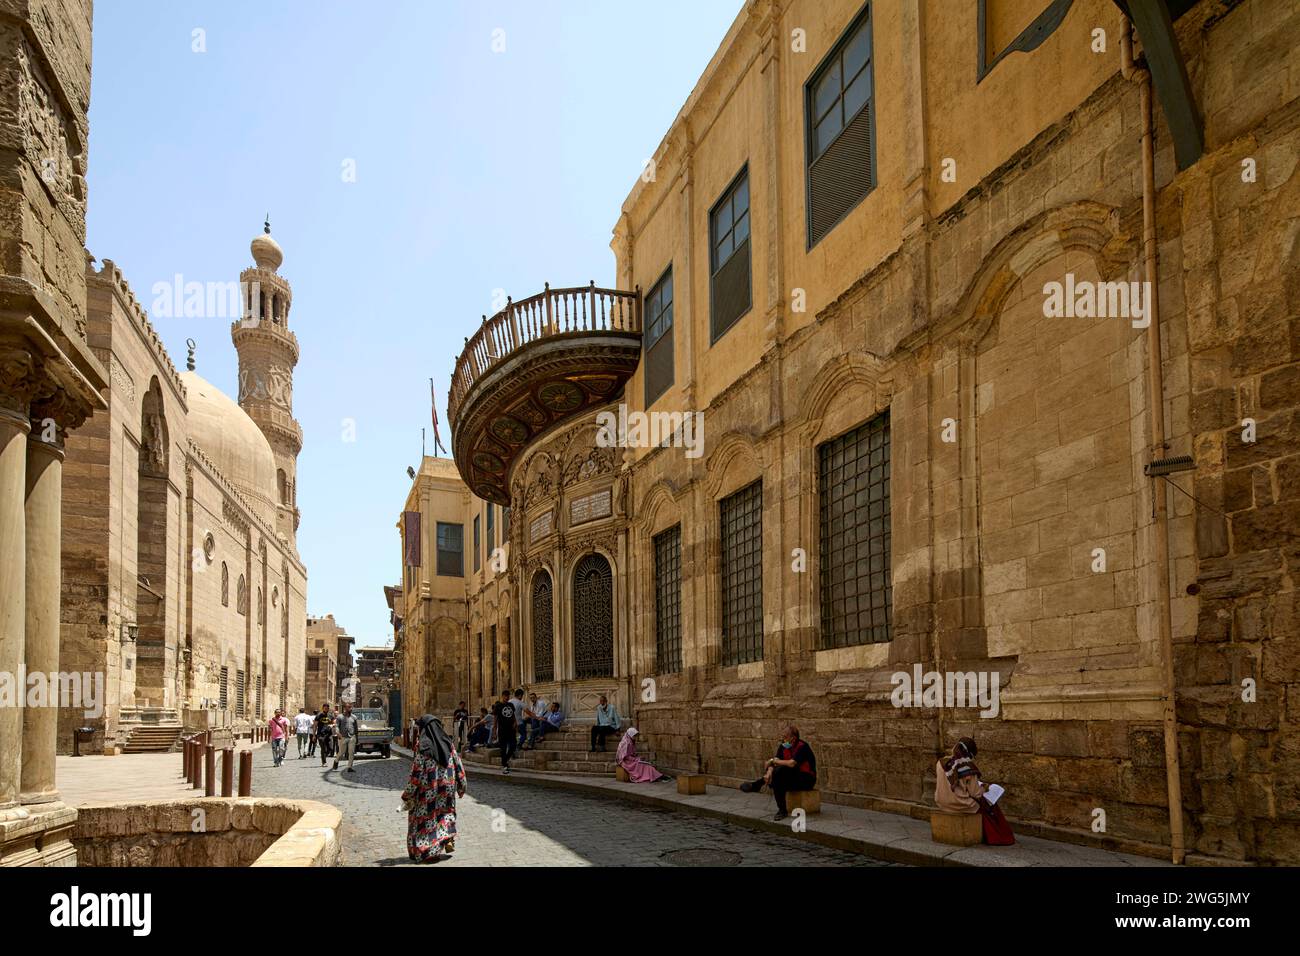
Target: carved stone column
44, 489
19, 380
13, 534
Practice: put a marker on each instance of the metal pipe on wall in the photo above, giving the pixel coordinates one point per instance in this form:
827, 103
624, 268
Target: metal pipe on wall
1155, 401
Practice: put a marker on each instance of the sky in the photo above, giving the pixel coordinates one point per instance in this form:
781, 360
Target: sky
414, 157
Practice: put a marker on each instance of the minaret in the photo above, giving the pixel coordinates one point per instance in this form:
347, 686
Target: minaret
268, 352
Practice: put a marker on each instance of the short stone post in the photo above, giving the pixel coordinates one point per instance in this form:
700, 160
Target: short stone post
228, 772
210, 770
245, 773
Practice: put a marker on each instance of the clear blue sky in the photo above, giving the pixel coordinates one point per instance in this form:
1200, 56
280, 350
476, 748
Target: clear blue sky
475, 171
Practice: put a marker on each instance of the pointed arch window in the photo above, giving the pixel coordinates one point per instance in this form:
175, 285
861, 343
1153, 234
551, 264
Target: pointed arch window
225, 585
241, 596
593, 618
543, 628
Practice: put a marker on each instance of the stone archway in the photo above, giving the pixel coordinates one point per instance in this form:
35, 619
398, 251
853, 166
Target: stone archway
593, 618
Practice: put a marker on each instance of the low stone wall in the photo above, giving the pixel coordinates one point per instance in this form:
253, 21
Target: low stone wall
208, 831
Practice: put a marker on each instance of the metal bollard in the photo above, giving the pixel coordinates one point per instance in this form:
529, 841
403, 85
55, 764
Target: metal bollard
228, 772
185, 757
197, 782
245, 773
210, 770
189, 760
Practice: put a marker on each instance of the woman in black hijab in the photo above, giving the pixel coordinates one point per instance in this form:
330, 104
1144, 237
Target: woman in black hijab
437, 779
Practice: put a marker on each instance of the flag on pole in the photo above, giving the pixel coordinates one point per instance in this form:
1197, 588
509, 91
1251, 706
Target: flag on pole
437, 439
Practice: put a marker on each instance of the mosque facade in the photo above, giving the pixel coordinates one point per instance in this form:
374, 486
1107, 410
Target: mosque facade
183, 585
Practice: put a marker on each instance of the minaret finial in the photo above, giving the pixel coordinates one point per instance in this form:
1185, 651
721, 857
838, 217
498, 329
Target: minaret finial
189, 359
266, 226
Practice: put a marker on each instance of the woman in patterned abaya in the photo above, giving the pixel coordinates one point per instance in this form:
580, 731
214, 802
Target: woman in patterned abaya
437, 779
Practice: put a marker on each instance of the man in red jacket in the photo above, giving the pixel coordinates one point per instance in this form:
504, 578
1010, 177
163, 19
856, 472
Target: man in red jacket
794, 767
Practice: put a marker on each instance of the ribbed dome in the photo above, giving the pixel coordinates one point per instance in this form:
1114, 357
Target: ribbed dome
266, 252
233, 442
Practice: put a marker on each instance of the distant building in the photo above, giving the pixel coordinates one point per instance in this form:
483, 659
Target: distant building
329, 661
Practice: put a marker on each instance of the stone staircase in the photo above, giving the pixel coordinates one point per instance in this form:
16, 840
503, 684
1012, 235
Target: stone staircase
152, 739
564, 751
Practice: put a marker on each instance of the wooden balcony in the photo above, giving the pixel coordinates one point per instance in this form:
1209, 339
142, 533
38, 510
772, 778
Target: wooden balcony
537, 363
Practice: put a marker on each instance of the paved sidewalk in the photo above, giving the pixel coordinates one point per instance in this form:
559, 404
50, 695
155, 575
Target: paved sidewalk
95, 778
884, 836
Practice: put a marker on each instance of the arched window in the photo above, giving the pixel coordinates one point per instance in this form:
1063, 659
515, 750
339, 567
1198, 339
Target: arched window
261, 608
241, 597
543, 628
283, 484
225, 585
593, 618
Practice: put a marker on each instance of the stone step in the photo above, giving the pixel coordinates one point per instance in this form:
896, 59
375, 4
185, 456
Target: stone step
152, 739
531, 762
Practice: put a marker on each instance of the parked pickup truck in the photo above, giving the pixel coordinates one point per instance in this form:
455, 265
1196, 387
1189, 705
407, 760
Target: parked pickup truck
373, 732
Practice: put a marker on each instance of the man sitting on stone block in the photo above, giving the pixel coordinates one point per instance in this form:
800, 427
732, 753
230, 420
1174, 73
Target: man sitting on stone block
793, 768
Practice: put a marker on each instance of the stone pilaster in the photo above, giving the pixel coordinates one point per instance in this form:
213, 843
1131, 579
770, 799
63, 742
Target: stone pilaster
43, 507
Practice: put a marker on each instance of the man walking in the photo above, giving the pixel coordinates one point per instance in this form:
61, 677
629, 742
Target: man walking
345, 734
324, 732
506, 725
302, 727
279, 726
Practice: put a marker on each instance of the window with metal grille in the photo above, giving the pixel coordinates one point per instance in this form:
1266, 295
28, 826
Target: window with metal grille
840, 129
241, 596
668, 600
742, 575
853, 500
658, 312
225, 585
451, 550
223, 692
730, 295
239, 693
505, 524
543, 628
593, 618
477, 554
491, 530
257, 711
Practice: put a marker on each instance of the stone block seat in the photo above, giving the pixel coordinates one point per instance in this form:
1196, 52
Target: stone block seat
563, 751
809, 801
956, 829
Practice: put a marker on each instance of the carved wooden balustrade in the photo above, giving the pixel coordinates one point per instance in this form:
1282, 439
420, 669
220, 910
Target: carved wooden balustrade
534, 363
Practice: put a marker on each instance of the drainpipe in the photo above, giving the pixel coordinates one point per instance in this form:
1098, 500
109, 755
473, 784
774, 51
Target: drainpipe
1155, 401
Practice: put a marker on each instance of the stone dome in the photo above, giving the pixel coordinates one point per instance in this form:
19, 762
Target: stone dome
266, 252
233, 442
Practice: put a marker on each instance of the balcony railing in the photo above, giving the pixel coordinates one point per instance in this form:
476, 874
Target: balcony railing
548, 314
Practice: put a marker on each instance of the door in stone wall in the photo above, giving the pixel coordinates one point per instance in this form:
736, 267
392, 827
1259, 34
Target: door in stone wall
593, 618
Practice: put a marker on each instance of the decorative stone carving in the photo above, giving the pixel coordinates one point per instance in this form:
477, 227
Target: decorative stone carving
48, 139
275, 385
597, 461
21, 379
120, 377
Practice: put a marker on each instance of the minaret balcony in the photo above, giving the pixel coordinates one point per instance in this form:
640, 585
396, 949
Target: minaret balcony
534, 365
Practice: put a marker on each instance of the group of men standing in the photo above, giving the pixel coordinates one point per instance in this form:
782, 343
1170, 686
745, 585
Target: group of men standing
334, 734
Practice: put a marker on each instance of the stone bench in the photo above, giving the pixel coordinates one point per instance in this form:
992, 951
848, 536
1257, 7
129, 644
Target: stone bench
956, 829
809, 801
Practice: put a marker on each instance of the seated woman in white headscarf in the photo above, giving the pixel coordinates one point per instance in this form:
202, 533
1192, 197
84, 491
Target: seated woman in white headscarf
638, 770
958, 788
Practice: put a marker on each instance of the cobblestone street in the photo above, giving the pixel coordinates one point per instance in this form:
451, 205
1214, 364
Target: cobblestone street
536, 826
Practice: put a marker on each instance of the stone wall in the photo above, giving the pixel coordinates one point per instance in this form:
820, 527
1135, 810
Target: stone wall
208, 832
